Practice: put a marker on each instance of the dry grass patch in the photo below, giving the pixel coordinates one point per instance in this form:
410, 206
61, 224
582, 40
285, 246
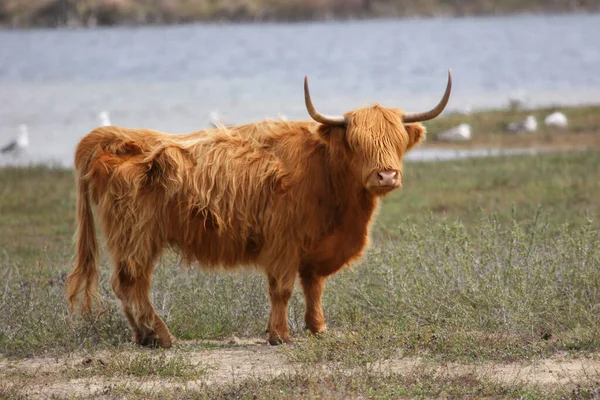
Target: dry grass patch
141, 364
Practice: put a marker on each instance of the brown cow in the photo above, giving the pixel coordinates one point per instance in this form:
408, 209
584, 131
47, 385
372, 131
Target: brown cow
291, 198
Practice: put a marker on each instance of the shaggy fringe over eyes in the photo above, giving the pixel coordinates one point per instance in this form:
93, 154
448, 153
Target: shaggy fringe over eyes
379, 135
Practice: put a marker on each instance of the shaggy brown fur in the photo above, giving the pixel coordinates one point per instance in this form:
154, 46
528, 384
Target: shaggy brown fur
290, 198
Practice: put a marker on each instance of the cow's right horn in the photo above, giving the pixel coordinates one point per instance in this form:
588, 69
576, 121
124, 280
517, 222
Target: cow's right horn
434, 112
324, 119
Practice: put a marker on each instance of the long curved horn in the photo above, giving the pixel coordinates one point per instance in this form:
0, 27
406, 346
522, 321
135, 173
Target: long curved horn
324, 119
434, 112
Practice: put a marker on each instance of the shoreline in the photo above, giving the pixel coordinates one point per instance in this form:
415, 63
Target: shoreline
277, 22
19, 14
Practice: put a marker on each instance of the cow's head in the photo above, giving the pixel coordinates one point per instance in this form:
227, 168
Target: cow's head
375, 139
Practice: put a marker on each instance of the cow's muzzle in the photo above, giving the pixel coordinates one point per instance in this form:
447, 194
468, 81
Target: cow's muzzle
384, 179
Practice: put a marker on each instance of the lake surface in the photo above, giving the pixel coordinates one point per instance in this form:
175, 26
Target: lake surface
171, 78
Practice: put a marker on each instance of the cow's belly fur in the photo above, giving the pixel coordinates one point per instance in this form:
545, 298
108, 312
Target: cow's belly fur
203, 243
131, 228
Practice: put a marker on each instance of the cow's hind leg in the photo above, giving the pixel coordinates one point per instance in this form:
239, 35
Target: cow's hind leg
280, 290
132, 287
313, 286
122, 285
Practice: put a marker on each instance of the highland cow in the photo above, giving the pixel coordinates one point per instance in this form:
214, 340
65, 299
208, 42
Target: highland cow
292, 198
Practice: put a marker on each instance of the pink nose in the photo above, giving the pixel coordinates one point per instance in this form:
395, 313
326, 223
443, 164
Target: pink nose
387, 178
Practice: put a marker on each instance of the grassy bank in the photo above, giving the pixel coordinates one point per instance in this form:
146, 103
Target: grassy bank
24, 13
474, 261
489, 129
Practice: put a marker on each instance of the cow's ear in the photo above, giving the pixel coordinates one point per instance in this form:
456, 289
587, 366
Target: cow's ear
335, 137
332, 133
329, 133
416, 133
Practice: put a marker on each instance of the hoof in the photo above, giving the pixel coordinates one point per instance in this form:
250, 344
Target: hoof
276, 341
165, 344
151, 342
148, 340
317, 331
154, 342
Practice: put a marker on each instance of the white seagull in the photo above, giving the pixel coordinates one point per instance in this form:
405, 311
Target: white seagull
467, 110
556, 119
528, 125
104, 118
18, 145
458, 133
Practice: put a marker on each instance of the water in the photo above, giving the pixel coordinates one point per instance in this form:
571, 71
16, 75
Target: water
170, 78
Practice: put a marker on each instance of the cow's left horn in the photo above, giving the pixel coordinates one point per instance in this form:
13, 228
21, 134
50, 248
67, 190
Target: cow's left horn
324, 119
431, 114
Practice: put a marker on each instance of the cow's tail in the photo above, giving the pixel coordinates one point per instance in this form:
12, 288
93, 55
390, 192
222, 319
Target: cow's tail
84, 277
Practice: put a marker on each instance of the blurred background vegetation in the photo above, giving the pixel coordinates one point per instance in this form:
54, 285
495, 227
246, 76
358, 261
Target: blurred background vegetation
31, 13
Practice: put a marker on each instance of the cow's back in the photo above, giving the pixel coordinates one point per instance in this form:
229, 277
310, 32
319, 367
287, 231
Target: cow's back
224, 197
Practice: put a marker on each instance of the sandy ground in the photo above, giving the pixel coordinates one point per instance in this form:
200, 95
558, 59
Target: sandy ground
66, 376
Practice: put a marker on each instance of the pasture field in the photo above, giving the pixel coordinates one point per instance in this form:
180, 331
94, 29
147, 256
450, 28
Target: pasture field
483, 280
489, 129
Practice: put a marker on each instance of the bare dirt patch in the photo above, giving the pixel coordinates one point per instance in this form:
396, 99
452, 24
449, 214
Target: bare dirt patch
84, 375
558, 370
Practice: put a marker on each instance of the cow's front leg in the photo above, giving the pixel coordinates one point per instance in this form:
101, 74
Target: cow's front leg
313, 286
280, 290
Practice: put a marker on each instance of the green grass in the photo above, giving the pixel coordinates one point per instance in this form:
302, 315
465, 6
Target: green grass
500, 293
508, 188
514, 252
482, 260
36, 213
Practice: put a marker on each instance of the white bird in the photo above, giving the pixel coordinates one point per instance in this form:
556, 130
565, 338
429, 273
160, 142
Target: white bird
104, 118
467, 110
458, 133
556, 119
528, 125
18, 145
